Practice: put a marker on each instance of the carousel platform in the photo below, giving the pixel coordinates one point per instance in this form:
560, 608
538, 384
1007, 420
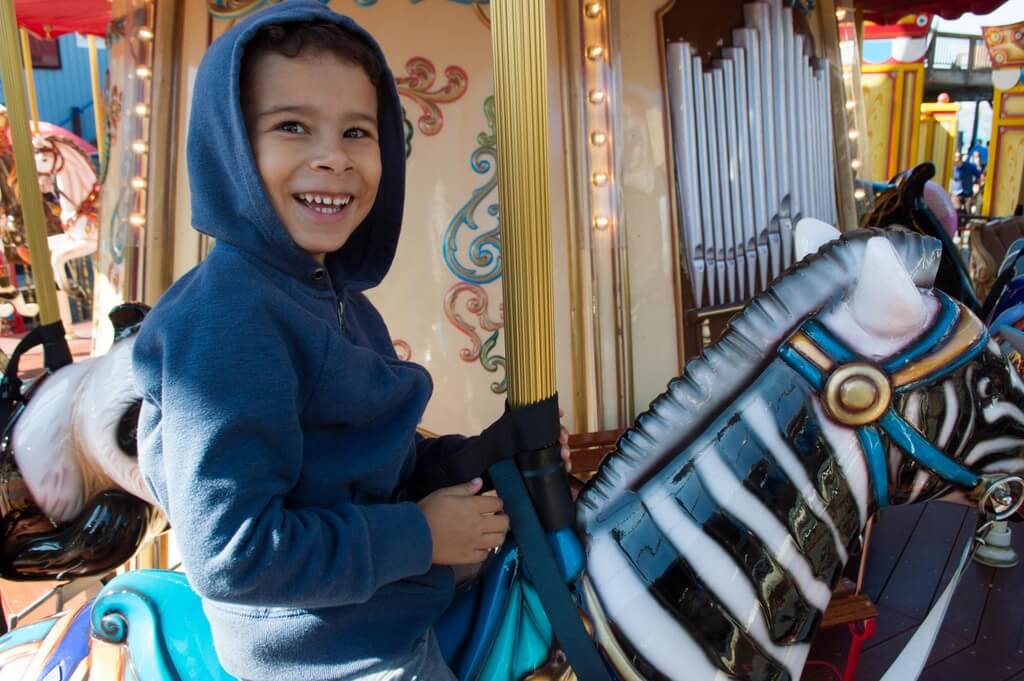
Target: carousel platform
913, 552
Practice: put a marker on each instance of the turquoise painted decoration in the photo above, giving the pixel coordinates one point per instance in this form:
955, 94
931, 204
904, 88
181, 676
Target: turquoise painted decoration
483, 250
160, 619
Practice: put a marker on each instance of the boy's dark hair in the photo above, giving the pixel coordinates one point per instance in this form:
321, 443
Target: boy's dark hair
312, 38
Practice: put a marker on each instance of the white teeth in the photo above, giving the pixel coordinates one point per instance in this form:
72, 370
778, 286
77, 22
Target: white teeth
332, 202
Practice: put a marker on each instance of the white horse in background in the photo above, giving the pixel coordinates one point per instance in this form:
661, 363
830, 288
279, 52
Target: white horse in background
66, 171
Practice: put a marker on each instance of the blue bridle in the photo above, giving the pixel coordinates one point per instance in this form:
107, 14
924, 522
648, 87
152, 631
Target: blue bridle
955, 339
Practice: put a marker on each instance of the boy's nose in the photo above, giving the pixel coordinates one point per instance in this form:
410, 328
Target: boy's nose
332, 160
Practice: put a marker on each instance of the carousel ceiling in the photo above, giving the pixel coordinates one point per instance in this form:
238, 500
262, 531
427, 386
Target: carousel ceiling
890, 11
53, 18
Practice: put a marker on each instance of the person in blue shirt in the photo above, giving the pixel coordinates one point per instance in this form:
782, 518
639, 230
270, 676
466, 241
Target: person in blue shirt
278, 427
964, 176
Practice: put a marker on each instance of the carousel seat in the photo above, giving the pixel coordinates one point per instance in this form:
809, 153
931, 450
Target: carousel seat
155, 622
988, 245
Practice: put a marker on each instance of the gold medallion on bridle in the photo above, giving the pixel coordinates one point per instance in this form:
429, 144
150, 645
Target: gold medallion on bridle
857, 394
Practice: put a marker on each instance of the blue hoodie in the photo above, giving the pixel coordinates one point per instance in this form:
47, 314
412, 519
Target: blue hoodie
277, 422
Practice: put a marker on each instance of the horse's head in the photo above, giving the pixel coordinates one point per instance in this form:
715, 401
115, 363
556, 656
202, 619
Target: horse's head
717, 528
949, 405
71, 492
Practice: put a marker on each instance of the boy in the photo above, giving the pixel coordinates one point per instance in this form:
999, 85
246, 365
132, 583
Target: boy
278, 425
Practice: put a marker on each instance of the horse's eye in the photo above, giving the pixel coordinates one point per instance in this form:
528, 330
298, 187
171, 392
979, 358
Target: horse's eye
127, 429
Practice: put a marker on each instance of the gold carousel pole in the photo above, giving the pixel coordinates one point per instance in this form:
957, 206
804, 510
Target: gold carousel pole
30, 79
25, 162
518, 47
97, 96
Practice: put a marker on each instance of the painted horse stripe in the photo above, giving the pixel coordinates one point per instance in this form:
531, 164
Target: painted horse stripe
762, 422
765, 478
696, 605
727, 491
650, 633
790, 618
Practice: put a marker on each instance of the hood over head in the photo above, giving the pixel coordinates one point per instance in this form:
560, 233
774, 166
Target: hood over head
229, 201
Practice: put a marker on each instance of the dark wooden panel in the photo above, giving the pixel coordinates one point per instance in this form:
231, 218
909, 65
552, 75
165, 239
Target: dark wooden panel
915, 579
888, 541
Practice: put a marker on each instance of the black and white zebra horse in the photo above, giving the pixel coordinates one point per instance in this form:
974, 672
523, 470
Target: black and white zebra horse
715, 532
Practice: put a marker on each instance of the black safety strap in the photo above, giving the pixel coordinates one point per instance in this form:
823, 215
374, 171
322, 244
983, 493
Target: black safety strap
56, 354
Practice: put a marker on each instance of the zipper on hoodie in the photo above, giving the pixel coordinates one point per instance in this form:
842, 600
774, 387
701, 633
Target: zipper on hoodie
341, 310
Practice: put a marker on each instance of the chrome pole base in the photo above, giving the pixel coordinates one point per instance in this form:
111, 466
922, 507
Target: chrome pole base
997, 551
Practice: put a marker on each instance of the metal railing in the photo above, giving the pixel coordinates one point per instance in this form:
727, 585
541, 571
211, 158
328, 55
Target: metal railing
957, 51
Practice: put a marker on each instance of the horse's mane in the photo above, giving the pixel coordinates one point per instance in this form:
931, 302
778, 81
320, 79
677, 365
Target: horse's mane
712, 381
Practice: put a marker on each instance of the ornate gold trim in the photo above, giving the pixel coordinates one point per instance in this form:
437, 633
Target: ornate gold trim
604, 636
808, 349
857, 394
967, 333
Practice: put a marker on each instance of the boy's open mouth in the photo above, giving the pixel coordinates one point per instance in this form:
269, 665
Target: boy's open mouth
325, 204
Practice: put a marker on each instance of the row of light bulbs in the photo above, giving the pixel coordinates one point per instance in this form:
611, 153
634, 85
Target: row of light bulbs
144, 73
851, 107
598, 118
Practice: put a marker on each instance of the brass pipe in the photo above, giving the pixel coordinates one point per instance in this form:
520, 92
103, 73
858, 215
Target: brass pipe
25, 163
30, 79
519, 50
97, 96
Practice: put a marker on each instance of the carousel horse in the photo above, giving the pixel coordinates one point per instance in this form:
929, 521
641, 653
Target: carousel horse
66, 172
72, 499
909, 201
714, 532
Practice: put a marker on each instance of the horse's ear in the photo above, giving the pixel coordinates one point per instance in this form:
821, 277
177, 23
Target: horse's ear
886, 302
812, 234
127, 318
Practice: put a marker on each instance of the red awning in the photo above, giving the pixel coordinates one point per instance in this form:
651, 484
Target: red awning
52, 18
890, 11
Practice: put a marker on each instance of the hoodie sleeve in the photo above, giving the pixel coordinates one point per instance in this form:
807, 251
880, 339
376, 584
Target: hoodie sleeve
221, 443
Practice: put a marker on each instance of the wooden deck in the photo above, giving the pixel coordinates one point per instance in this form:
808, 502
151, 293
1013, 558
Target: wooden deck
912, 555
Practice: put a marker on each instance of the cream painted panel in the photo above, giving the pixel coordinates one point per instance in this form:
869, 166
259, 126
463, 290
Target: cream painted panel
452, 324
645, 178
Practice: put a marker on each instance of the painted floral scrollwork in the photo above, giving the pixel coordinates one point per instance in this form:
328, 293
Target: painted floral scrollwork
484, 249
402, 349
480, 349
417, 86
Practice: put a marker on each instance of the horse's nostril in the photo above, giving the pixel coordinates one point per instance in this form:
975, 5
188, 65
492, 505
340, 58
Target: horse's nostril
127, 429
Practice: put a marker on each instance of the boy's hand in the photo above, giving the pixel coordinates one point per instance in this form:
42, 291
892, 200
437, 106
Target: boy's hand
463, 526
563, 438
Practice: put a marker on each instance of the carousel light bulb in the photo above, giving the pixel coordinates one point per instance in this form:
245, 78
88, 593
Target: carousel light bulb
140, 147
137, 220
593, 9
599, 179
145, 33
594, 52
598, 138
840, 14
141, 110
859, 194
143, 72
596, 96
852, 134
851, 105
138, 183
601, 222
855, 164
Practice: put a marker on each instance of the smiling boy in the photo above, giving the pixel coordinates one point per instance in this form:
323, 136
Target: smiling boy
278, 426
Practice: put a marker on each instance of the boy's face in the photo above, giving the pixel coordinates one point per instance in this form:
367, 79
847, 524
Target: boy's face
312, 124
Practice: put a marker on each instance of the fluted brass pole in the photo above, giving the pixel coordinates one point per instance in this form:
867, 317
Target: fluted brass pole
97, 96
25, 162
518, 47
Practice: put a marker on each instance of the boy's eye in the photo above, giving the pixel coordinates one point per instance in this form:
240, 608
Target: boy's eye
291, 126
357, 133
